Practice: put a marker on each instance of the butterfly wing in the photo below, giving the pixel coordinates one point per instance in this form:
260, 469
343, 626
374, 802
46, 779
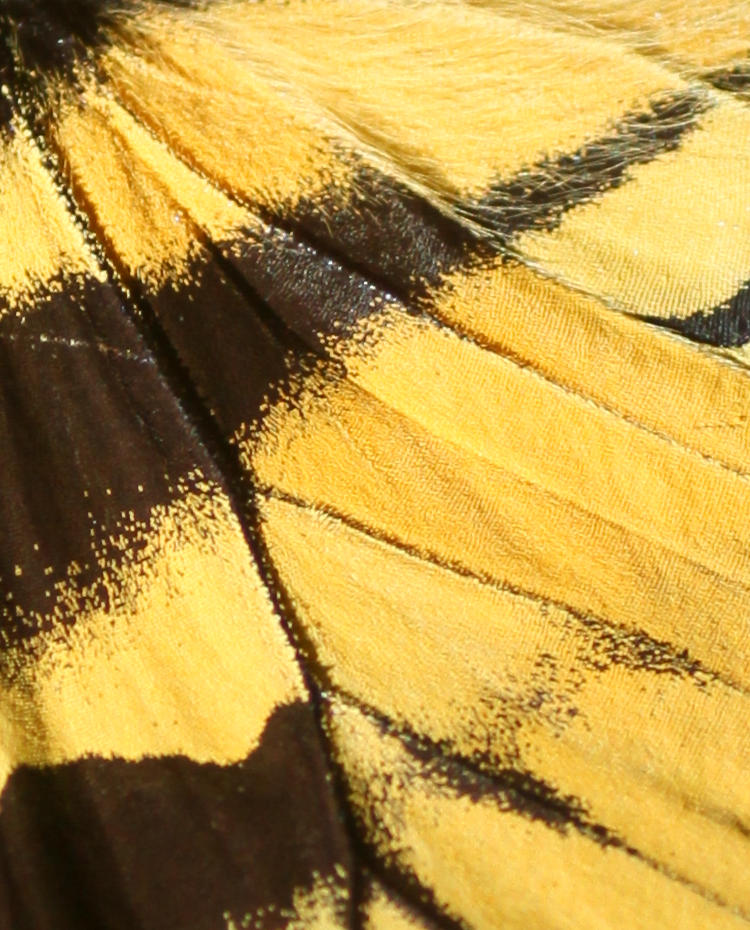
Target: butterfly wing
377, 542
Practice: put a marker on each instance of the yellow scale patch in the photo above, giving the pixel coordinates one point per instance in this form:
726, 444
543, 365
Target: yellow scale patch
249, 139
383, 913
479, 462
445, 131
191, 602
412, 639
581, 454
675, 239
400, 95
690, 34
138, 192
495, 868
645, 375
320, 907
40, 242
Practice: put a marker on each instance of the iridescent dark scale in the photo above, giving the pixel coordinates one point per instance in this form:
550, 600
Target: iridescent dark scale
49, 36
38, 40
42, 39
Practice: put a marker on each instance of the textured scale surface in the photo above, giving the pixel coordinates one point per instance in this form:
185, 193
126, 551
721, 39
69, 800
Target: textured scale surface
374, 465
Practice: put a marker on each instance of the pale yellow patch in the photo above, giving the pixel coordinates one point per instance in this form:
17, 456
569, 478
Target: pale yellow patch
553, 439
39, 240
675, 239
494, 868
689, 34
219, 113
319, 907
441, 90
383, 913
650, 376
149, 206
188, 660
741, 355
344, 450
322, 906
494, 673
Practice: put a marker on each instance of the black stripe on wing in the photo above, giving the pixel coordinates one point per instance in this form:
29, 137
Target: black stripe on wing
735, 80
727, 325
400, 241
539, 196
93, 441
170, 842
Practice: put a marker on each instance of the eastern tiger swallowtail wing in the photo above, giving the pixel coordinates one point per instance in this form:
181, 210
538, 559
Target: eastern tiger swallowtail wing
374, 465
